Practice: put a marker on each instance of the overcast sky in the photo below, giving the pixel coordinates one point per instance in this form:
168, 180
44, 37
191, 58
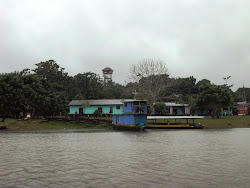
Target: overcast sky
201, 38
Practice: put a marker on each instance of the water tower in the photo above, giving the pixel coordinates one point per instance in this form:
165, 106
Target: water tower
107, 74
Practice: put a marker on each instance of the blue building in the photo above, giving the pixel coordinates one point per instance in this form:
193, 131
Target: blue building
134, 115
175, 109
88, 107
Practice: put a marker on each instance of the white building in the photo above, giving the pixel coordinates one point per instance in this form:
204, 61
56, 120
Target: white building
176, 109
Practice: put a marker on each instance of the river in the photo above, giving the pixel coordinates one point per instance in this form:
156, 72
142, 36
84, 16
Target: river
164, 158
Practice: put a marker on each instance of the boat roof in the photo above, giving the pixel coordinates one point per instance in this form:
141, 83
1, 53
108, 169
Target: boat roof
175, 117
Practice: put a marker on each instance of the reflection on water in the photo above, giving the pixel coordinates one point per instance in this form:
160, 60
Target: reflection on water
183, 158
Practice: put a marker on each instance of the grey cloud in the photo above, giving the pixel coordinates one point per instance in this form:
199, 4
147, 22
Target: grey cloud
204, 39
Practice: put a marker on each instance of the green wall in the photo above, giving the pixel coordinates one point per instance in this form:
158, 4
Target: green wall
91, 109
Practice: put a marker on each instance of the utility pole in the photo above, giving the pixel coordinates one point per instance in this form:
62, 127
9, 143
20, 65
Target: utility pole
226, 78
244, 99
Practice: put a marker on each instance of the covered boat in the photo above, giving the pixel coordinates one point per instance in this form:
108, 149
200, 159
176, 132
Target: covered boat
174, 122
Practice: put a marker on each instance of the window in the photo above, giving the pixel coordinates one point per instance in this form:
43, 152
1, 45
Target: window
125, 104
111, 110
100, 109
118, 107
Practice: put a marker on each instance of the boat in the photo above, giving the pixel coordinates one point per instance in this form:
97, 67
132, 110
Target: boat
173, 122
134, 116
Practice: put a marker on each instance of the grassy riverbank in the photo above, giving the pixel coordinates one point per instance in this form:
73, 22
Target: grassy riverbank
35, 124
225, 122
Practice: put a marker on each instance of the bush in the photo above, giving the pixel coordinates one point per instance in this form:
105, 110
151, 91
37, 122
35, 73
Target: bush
160, 108
97, 113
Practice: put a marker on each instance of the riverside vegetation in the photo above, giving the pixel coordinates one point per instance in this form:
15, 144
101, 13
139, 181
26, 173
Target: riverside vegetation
37, 124
47, 90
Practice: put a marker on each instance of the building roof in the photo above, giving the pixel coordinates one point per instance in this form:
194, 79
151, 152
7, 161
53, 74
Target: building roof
132, 100
243, 103
96, 102
174, 104
107, 69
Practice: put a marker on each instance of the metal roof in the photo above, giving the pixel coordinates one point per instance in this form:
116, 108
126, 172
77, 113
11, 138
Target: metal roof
243, 103
132, 100
174, 104
96, 102
107, 69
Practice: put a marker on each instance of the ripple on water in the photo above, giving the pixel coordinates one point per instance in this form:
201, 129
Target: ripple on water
184, 158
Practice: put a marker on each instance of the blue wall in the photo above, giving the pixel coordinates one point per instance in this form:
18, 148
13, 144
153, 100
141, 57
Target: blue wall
128, 109
230, 112
130, 119
205, 112
91, 109
201, 112
134, 109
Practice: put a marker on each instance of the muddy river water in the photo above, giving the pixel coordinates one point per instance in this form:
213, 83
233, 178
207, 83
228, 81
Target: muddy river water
166, 158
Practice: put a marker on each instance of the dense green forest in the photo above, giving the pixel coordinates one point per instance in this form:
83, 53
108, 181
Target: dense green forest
47, 90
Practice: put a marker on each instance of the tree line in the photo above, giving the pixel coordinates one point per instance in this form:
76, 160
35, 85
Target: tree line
48, 89
155, 84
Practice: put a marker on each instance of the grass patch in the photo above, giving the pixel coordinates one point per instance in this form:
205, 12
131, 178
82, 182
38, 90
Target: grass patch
35, 124
226, 122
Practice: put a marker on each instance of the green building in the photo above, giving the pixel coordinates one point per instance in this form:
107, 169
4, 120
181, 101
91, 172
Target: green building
88, 107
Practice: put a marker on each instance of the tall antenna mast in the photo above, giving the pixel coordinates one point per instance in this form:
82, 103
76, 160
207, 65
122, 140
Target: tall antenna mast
244, 94
244, 99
